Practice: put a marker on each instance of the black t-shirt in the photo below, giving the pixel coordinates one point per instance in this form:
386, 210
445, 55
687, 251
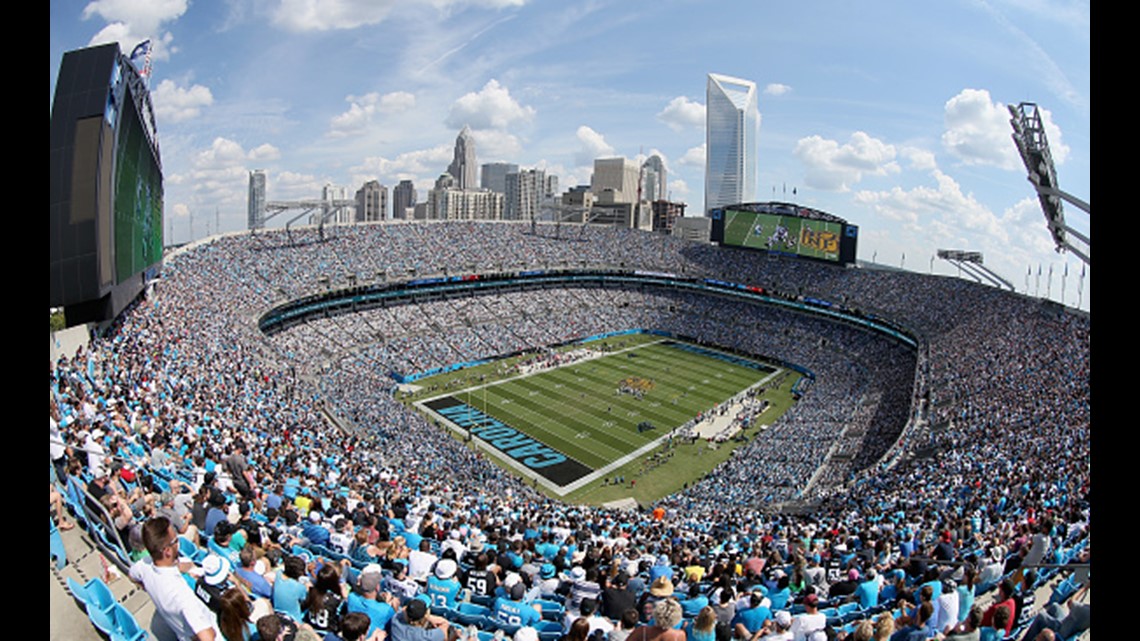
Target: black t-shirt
615, 601
209, 594
327, 618
480, 582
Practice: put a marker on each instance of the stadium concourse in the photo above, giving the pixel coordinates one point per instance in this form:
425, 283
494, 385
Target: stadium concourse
962, 465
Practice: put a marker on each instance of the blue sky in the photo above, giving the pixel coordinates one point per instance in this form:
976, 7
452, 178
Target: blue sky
890, 114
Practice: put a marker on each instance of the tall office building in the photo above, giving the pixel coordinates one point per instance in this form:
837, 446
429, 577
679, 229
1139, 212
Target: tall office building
494, 176
371, 202
551, 187
525, 191
653, 179
463, 167
403, 199
256, 217
732, 128
617, 175
446, 201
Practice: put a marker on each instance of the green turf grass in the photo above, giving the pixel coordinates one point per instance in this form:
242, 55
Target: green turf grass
575, 409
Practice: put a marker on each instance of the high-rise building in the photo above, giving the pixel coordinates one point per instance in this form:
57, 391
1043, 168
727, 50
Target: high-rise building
494, 176
371, 202
551, 187
665, 214
463, 167
653, 179
732, 128
256, 217
403, 199
617, 175
525, 191
446, 201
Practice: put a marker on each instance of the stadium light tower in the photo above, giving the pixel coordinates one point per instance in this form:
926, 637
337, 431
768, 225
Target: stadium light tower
971, 263
1029, 136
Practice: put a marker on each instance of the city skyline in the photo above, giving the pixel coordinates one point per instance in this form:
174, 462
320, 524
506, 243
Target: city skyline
889, 114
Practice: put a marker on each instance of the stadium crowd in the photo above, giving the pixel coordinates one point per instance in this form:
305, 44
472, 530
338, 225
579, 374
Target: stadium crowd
184, 411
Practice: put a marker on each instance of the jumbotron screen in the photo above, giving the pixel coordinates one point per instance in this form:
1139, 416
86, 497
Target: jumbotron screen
777, 229
138, 198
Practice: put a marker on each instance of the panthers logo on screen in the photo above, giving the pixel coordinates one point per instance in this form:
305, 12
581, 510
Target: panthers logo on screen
822, 240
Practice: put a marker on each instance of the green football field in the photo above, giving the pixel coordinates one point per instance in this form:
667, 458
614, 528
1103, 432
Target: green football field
569, 428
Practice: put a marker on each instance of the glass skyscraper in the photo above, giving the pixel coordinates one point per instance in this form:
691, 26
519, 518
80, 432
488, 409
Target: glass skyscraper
732, 127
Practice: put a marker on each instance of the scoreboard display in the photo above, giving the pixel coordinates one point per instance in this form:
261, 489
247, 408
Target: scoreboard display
782, 228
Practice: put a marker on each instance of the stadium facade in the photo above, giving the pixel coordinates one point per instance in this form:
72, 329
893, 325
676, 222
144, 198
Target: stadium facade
105, 198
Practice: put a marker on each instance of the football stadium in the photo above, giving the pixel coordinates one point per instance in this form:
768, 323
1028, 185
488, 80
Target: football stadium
491, 430
954, 411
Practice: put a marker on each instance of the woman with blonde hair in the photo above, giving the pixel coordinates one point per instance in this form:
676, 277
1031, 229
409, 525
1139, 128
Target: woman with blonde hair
884, 626
703, 628
663, 626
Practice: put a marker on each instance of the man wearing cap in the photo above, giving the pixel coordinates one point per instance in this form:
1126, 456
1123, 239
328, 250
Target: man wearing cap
413, 623
442, 586
209, 587
160, 575
366, 598
946, 607
778, 628
616, 597
513, 610
583, 584
314, 530
812, 620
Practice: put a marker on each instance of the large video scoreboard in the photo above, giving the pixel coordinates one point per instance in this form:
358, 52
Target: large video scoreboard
105, 187
786, 229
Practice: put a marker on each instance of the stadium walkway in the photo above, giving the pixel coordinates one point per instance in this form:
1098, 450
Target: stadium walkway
67, 621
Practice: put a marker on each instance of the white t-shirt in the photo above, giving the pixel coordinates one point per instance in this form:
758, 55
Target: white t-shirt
183, 612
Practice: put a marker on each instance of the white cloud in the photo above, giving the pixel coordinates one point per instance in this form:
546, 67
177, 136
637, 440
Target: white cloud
140, 17
978, 132
132, 21
221, 154
219, 175
943, 206
177, 104
362, 108
289, 185
682, 113
325, 15
421, 164
834, 167
591, 145
919, 159
264, 152
492, 143
776, 89
678, 189
492, 107
694, 157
